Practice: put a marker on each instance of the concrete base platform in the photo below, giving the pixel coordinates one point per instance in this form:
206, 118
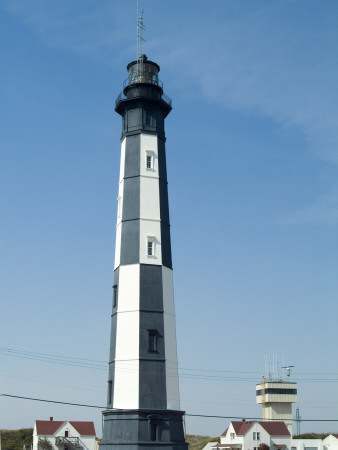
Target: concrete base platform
143, 429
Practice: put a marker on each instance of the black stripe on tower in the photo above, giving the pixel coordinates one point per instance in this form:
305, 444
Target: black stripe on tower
152, 371
164, 205
130, 232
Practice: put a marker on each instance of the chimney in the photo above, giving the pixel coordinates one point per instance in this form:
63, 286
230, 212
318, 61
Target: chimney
51, 419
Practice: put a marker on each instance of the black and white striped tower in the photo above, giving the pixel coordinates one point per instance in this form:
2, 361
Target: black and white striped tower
143, 409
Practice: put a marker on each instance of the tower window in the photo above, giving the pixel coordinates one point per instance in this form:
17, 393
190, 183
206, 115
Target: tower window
150, 249
110, 391
151, 246
149, 160
114, 295
148, 119
153, 432
152, 341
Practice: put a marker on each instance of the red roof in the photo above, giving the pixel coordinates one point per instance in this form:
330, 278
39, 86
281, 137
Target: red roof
84, 428
273, 428
242, 427
50, 427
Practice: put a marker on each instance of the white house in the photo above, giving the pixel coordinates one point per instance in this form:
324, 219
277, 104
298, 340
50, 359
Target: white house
331, 442
307, 444
65, 435
248, 435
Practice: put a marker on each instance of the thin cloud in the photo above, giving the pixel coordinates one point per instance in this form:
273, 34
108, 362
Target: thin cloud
94, 31
277, 60
259, 64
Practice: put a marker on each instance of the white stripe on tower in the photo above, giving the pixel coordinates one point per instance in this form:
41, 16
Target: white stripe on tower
120, 206
126, 380
150, 223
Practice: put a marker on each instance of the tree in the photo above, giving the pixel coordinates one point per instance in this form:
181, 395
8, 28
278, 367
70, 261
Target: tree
264, 447
44, 444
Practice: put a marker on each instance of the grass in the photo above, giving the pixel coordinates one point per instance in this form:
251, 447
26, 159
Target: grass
199, 442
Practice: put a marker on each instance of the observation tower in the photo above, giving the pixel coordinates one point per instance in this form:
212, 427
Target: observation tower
143, 407
276, 395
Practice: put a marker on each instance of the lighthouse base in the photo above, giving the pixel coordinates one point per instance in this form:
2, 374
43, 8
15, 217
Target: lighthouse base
143, 429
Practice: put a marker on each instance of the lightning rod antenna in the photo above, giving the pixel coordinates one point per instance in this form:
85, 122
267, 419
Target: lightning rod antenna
140, 40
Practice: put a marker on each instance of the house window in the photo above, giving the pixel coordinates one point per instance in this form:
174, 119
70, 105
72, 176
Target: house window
232, 435
153, 432
258, 436
66, 433
254, 436
152, 341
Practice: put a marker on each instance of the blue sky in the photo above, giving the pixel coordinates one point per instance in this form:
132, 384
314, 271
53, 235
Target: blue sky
252, 151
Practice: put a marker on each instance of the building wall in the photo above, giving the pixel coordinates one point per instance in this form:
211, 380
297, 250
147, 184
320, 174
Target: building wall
307, 444
249, 443
227, 438
331, 442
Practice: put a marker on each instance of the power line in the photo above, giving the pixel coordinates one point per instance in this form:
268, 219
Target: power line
204, 374
187, 414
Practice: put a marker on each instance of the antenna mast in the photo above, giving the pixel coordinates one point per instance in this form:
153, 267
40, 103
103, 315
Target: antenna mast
140, 40
298, 421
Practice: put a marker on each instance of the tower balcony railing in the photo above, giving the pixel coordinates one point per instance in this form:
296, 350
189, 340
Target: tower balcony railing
122, 96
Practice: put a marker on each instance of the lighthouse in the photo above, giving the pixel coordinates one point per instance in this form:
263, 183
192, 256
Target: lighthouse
143, 407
